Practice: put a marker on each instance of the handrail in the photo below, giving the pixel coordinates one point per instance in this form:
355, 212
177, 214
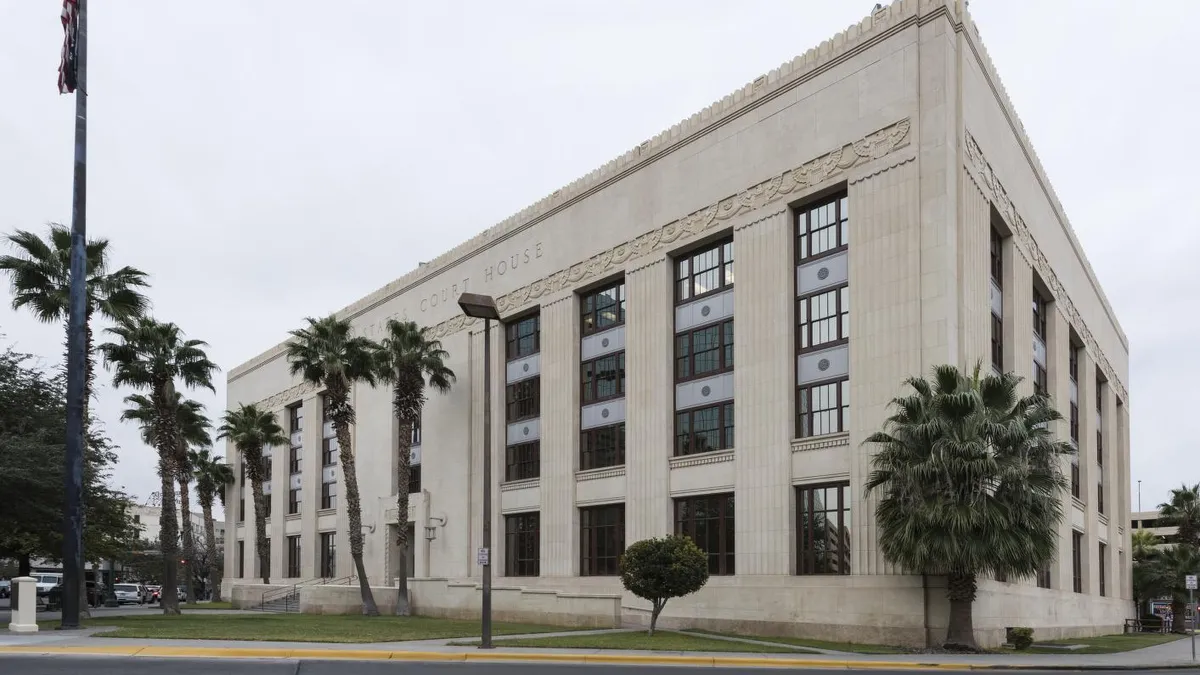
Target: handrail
288, 591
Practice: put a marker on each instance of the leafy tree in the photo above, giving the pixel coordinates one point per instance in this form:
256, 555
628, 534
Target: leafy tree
1183, 511
250, 430
152, 355
212, 476
1147, 576
971, 484
659, 569
326, 355
407, 358
1168, 572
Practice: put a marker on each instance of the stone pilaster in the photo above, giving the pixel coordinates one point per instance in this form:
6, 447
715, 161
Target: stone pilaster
764, 384
278, 497
1087, 468
649, 426
1113, 493
1018, 316
560, 436
310, 485
974, 326
1123, 488
1058, 378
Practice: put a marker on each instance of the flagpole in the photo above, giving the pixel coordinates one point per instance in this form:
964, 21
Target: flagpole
73, 567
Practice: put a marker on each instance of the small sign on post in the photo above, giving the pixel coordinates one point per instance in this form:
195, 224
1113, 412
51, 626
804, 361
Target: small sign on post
1190, 581
483, 557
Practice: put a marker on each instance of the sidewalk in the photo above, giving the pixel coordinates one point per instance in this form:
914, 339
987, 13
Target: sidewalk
1176, 654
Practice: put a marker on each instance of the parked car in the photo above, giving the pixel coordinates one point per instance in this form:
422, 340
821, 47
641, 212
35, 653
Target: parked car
5, 588
46, 581
128, 594
155, 593
144, 593
95, 595
182, 593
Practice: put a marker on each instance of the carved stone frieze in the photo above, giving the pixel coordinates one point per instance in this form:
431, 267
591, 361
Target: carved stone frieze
286, 396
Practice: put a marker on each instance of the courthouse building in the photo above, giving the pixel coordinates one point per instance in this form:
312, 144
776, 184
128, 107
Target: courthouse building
698, 336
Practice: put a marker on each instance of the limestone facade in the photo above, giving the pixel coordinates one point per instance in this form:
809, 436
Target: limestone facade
895, 145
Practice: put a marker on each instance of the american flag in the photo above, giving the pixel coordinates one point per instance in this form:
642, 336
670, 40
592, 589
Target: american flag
67, 65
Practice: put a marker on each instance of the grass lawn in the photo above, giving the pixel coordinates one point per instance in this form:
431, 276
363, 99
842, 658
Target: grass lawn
663, 641
1105, 644
208, 605
300, 627
852, 647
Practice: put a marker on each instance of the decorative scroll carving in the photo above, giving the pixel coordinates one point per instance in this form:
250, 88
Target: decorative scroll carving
999, 196
286, 396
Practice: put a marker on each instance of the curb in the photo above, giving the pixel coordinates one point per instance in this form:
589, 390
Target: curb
494, 657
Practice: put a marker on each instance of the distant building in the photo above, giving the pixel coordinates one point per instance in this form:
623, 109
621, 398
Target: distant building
1150, 520
146, 520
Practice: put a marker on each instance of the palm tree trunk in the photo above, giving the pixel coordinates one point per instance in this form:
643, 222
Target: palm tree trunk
168, 538
260, 531
960, 634
189, 541
211, 565
354, 510
403, 471
1179, 611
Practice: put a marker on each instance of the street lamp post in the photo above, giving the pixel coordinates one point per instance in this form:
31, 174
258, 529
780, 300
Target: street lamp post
484, 307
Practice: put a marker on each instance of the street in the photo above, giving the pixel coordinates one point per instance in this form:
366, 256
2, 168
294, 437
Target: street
69, 665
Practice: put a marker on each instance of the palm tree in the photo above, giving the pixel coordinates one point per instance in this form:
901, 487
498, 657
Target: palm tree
194, 429
40, 277
250, 430
406, 360
1148, 579
212, 475
971, 484
152, 355
327, 356
1183, 511
1168, 574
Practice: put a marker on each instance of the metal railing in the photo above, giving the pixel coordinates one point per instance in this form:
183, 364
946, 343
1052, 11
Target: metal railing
290, 595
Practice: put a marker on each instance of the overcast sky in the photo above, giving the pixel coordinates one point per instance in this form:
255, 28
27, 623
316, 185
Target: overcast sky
267, 160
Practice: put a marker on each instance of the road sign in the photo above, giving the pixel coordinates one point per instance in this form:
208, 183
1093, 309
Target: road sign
1191, 582
483, 557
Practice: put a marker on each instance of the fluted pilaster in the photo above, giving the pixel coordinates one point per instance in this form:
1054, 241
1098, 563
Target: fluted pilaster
1058, 380
1018, 316
1087, 468
310, 486
974, 327
560, 436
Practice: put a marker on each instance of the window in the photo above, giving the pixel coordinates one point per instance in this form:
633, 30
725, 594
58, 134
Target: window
1073, 363
241, 559
294, 499
241, 512
823, 529
708, 520
329, 443
704, 429
997, 259
1102, 568
523, 337
603, 378
294, 460
1100, 496
328, 558
823, 229
267, 464
1075, 422
1039, 315
524, 399
997, 344
522, 461
706, 271
1043, 576
823, 408
329, 495
1075, 490
823, 319
601, 447
415, 439
704, 351
1039, 380
414, 479
1077, 560
601, 539
522, 547
267, 506
604, 308
293, 557
1100, 449
296, 418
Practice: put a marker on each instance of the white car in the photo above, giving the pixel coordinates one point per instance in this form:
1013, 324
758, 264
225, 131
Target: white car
128, 594
46, 581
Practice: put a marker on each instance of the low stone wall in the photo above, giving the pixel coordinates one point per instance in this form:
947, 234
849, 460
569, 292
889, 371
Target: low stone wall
249, 596
344, 599
462, 600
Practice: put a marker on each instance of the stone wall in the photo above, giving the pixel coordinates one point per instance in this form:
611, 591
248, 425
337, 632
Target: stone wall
462, 600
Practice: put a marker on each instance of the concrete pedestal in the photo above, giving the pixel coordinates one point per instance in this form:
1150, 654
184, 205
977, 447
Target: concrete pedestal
24, 611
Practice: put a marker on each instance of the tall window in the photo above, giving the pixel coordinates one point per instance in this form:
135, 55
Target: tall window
997, 259
522, 461
293, 557
329, 495
524, 399
823, 319
1102, 568
705, 271
241, 512
1043, 576
708, 520
523, 337
601, 447
329, 443
704, 351
603, 378
415, 439
1040, 386
1039, 315
823, 408
823, 229
241, 559
328, 559
603, 308
601, 539
1075, 487
997, 265
267, 504
414, 479
997, 344
296, 434
294, 500
522, 548
704, 429
823, 529
1077, 560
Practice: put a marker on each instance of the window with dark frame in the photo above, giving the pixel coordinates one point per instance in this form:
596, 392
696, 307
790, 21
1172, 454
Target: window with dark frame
522, 544
603, 308
823, 228
823, 319
294, 500
522, 461
1040, 386
241, 512
602, 378
708, 521
1075, 487
1039, 314
328, 559
293, 557
601, 540
523, 337
329, 495
267, 502
705, 351
1100, 496
704, 429
1102, 569
704, 271
1077, 561
823, 529
1073, 363
1043, 576
602, 446
241, 559
997, 343
415, 438
523, 399
329, 443
997, 258
296, 437
414, 479
823, 408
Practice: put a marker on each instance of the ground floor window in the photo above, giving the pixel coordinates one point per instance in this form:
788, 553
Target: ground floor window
823, 529
1102, 569
241, 559
601, 539
522, 544
328, 559
293, 557
708, 520
1077, 560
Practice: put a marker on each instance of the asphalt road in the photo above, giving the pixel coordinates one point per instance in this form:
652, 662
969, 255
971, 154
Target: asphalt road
71, 665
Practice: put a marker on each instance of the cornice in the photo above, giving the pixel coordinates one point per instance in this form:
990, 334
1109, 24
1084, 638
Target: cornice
702, 458
821, 442
520, 484
597, 474
985, 178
